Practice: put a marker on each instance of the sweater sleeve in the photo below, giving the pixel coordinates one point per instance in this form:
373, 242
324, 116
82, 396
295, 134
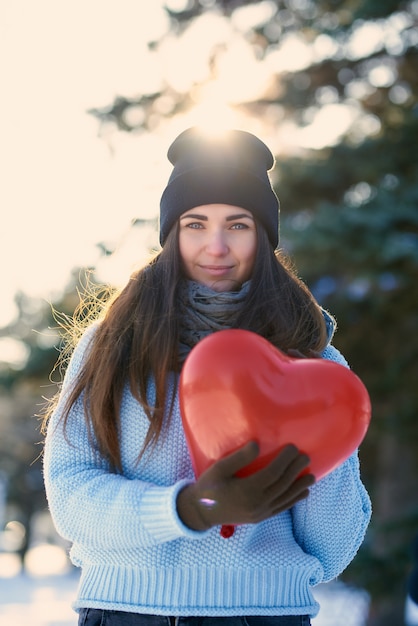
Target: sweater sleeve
92, 505
331, 523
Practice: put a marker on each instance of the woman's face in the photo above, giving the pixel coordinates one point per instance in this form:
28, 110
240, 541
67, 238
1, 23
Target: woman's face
217, 244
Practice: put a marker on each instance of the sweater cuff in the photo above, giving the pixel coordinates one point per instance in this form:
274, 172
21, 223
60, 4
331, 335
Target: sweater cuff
159, 514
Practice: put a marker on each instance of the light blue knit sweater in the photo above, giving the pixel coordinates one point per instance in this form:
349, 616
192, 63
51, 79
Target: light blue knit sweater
137, 556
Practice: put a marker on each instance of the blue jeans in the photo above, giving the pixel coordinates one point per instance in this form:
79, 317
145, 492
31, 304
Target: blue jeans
98, 617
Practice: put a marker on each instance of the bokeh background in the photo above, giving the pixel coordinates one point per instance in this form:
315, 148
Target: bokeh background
92, 94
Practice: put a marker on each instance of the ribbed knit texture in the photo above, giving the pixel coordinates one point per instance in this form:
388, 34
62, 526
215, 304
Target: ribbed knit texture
137, 556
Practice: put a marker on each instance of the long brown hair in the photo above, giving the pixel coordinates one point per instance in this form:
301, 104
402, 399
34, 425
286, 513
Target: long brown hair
138, 337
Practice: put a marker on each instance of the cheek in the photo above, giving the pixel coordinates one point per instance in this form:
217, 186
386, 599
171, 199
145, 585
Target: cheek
250, 263
247, 262
188, 253
184, 247
250, 251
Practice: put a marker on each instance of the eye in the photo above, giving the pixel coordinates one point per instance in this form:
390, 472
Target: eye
239, 226
194, 225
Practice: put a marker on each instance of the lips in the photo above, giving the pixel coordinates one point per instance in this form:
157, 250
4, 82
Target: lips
216, 269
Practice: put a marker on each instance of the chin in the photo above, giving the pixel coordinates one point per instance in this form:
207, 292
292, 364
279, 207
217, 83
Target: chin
224, 284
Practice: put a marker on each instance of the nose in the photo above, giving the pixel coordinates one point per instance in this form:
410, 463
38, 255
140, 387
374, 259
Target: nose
217, 244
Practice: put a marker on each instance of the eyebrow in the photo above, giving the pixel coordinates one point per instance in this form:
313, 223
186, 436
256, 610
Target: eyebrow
204, 218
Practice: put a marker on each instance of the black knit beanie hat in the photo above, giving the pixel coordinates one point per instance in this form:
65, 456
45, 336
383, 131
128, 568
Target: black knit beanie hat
230, 169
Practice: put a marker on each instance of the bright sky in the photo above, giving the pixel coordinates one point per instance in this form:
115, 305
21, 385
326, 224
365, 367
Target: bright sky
64, 189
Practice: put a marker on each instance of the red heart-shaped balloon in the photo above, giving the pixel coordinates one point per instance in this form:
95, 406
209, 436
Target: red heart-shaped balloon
235, 387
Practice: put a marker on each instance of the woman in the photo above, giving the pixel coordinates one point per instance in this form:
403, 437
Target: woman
118, 474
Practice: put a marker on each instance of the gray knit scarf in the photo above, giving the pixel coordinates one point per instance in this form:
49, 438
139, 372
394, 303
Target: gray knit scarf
204, 311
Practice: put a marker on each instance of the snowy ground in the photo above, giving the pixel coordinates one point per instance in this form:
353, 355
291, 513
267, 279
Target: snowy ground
42, 596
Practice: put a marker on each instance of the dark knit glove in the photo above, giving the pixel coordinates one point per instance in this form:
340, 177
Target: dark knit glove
220, 497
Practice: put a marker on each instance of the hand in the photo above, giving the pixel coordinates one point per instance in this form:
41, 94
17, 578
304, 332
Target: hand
221, 497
